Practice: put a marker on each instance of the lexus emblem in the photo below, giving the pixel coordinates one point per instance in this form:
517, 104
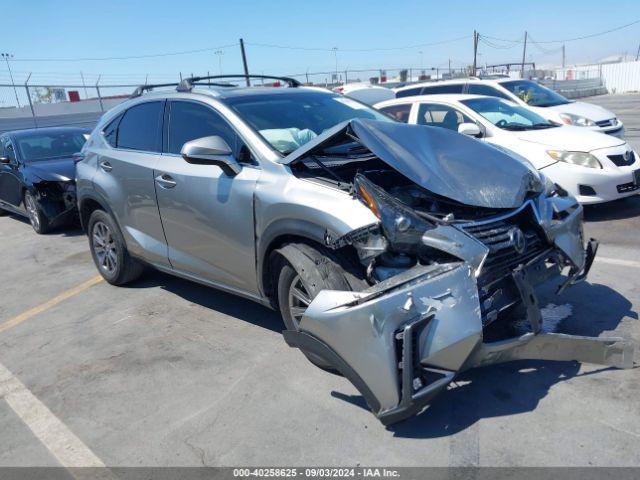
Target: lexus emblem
517, 239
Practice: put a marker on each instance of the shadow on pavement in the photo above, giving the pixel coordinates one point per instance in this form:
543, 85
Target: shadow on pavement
213, 299
617, 210
515, 387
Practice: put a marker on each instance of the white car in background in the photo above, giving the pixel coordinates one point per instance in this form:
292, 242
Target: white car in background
591, 166
544, 101
365, 92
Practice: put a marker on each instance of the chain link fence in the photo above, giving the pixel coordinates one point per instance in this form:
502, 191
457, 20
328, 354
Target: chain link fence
36, 106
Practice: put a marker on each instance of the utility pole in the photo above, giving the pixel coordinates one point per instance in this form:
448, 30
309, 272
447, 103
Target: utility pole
7, 56
524, 52
638, 54
449, 68
244, 62
564, 58
475, 52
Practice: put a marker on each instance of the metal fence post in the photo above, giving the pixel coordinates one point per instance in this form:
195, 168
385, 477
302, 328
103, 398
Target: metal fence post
99, 96
33, 113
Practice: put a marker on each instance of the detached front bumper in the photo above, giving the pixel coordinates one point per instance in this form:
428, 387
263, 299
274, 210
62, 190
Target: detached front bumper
404, 340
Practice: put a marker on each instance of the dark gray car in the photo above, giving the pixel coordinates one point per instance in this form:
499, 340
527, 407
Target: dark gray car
391, 250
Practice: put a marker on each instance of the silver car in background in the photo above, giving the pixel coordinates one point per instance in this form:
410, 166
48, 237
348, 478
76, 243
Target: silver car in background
390, 254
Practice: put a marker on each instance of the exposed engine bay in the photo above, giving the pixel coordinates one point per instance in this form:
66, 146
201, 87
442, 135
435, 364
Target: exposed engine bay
456, 247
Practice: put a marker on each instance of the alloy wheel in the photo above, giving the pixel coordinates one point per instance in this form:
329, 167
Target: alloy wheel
299, 300
104, 247
32, 211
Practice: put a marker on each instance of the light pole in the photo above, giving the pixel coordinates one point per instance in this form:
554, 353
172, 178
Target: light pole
7, 56
219, 53
335, 55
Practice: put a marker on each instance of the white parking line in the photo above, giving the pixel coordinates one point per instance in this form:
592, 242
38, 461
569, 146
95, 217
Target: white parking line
617, 261
55, 435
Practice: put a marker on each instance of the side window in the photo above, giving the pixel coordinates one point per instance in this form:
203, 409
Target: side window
442, 116
140, 127
440, 89
190, 120
479, 89
110, 132
408, 92
399, 112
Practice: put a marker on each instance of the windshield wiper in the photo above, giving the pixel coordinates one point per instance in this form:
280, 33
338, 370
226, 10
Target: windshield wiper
542, 125
514, 126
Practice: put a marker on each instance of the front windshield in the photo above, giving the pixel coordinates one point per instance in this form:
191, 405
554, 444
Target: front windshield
289, 120
507, 115
534, 94
49, 146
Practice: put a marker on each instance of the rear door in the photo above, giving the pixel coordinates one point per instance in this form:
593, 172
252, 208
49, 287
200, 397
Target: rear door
10, 176
207, 216
125, 177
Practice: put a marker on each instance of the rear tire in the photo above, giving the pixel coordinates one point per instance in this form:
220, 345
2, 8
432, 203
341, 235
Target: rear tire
37, 218
109, 252
3, 212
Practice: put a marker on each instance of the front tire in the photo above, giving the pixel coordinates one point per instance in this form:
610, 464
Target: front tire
304, 272
109, 252
37, 218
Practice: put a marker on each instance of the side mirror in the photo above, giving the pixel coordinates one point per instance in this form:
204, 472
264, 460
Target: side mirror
4, 160
470, 129
211, 151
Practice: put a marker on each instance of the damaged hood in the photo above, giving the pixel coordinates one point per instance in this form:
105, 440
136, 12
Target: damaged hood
58, 170
444, 162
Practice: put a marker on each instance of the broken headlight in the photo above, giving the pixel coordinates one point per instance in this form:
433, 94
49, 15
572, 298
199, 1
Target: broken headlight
402, 226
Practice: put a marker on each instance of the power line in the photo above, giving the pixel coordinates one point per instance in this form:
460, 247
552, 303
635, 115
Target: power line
571, 39
129, 57
320, 49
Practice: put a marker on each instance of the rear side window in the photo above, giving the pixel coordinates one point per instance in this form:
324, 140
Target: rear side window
408, 92
443, 116
440, 89
140, 127
110, 132
478, 89
399, 112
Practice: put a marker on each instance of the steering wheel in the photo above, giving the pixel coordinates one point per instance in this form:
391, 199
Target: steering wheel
501, 123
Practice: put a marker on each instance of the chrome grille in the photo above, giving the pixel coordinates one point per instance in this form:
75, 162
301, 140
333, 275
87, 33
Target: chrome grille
628, 158
503, 255
606, 123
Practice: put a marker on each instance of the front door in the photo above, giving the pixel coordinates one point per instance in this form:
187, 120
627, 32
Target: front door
207, 216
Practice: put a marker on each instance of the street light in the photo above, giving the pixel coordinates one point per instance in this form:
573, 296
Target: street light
219, 53
7, 56
335, 54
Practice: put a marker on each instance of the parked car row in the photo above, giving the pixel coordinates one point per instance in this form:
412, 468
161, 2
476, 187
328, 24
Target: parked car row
396, 254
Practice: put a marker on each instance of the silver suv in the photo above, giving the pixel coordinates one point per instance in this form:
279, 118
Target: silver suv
393, 252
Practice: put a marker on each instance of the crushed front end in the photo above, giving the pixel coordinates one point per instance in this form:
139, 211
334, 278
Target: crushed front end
443, 270
57, 200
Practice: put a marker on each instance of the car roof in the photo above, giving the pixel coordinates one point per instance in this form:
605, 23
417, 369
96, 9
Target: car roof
453, 81
235, 92
441, 97
32, 132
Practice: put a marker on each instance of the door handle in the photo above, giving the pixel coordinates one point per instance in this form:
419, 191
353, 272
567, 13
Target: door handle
166, 181
106, 166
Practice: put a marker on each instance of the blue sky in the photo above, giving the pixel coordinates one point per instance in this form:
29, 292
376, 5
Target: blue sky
40, 29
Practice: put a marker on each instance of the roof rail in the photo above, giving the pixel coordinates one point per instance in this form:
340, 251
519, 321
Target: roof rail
143, 88
187, 84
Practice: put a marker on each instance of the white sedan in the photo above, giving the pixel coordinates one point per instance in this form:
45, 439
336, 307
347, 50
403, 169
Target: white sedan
591, 166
